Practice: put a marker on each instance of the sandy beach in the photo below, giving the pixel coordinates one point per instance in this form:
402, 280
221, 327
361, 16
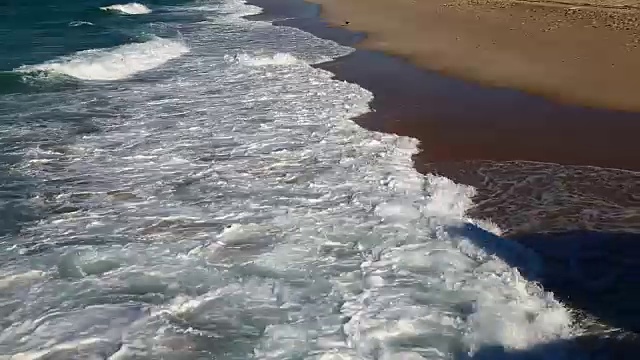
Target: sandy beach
580, 52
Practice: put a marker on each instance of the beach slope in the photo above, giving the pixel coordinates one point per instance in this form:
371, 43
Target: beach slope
579, 52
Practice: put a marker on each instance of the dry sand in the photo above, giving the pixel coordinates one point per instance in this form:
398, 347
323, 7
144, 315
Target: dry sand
584, 52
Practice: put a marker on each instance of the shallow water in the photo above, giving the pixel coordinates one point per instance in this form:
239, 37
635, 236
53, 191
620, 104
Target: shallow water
211, 198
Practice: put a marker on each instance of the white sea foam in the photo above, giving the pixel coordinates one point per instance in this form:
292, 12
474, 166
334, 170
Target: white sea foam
339, 247
80, 23
279, 59
133, 8
114, 63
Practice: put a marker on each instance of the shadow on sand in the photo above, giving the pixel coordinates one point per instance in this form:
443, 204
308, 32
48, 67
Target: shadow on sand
595, 273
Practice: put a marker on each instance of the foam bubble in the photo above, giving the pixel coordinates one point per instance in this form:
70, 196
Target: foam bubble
80, 23
338, 246
133, 8
114, 63
279, 59
448, 198
396, 211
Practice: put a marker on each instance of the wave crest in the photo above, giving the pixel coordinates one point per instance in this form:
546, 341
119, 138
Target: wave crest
278, 59
115, 63
133, 8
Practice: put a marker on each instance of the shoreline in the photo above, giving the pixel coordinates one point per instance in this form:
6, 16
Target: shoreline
494, 138
424, 104
575, 52
537, 166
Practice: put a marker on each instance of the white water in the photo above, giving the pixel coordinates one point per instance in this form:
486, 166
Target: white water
80, 23
279, 59
128, 9
114, 63
231, 209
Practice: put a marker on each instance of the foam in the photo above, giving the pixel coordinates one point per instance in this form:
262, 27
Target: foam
279, 59
448, 198
114, 63
238, 234
133, 8
233, 9
10, 281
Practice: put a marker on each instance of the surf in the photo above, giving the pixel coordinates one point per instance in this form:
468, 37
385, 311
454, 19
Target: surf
111, 64
237, 200
133, 8
279, 59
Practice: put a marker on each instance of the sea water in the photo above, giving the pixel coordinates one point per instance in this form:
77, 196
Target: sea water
178, 182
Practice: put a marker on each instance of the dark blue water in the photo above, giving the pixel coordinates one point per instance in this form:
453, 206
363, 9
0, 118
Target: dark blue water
34, 31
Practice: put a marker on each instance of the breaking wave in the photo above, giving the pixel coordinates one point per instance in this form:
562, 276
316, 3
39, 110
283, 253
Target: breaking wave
133, 8
116, 63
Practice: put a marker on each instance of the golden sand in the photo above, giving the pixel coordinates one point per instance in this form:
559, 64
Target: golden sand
581, 52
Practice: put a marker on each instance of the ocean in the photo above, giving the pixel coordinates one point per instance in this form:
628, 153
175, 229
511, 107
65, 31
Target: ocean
179, 182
